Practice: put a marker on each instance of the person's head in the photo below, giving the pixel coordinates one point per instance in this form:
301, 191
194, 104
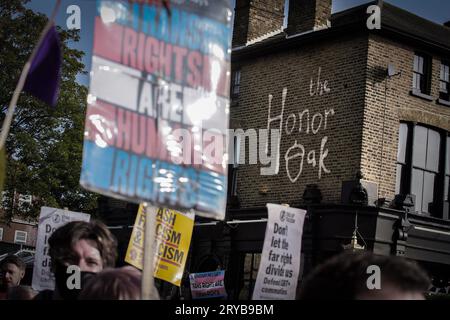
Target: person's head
88, 245
12, 271
114, 284
21, 293
352, 276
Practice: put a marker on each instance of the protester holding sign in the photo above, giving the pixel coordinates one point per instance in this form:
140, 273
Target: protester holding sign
50, 220
88, 245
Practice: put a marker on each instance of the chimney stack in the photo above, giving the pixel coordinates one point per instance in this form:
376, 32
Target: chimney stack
308, 15
256, 18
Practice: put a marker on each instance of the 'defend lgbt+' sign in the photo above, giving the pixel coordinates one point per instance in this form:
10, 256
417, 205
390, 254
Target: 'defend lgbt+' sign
158, 104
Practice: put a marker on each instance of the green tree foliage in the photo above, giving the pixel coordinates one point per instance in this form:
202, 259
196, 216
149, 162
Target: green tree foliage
44, 147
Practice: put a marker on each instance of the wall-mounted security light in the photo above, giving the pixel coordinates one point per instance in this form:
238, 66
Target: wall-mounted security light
392, 70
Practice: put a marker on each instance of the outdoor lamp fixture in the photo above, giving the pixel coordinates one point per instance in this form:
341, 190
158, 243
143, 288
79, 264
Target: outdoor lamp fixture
354, 245
392, 71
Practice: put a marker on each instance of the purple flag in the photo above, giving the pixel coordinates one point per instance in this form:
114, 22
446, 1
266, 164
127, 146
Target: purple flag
45, 72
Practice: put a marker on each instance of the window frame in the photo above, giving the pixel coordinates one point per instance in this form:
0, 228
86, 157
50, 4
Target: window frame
424, 74
16, 232
439, 203
442, 75
236, 83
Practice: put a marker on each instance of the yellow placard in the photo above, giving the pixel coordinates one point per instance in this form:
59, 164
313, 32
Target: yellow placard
173, 232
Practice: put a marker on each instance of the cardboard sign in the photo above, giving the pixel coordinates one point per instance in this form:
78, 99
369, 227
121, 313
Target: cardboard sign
50, 219
158, 104
280, 260
173, 238
208, 285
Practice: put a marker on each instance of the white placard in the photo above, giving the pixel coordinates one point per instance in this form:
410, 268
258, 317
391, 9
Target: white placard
280, 260
50, 219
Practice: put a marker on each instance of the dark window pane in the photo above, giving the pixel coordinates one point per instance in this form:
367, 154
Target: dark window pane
417, 187
428, 191
402, 136
398, 178
419, 146
443, 87
434, 141
236, 81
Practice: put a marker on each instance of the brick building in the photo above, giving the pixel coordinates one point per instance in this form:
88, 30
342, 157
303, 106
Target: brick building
18, 231
365, 120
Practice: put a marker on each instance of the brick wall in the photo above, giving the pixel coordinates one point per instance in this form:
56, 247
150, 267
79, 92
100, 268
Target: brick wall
305, 15
386, 108
256, 18
342, 64
9, 232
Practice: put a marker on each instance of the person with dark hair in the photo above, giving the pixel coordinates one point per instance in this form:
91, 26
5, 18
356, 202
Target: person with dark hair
12, 271
88, 245
350, 276
115, 284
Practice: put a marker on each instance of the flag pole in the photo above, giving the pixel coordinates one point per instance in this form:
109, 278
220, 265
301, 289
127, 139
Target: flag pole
23, 77
148, 282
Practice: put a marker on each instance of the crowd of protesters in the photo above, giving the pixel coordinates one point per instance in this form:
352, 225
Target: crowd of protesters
92, 247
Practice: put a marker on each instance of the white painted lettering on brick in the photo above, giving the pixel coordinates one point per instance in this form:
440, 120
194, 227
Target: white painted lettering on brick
300, 123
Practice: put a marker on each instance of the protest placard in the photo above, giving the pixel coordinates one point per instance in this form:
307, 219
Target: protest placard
158, 104
208, 285
50, 219
173, 231
280, 260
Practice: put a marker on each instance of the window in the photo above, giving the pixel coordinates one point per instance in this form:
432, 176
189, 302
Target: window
444, 83
425, 167
1, 234
447, 170
286, 14
251, 265
422, 74
235, 83
401, 156
420, 167
20, 237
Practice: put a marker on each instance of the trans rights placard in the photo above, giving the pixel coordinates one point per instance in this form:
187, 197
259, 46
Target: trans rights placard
173, 233
280, 260
208, 284
158, 104
50, 219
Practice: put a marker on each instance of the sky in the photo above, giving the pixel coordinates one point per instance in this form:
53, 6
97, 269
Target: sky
434, 10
